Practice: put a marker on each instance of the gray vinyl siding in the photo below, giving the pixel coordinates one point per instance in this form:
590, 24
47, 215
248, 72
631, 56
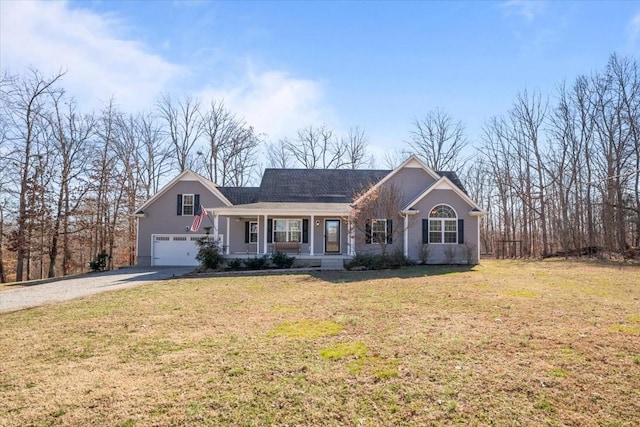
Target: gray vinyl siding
161, 217
412, 181
437, 251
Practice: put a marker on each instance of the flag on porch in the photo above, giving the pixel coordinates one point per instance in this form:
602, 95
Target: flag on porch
198, 219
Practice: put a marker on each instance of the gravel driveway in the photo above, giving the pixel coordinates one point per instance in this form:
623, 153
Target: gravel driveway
35, 294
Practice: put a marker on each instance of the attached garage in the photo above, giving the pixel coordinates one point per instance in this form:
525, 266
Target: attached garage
174, 249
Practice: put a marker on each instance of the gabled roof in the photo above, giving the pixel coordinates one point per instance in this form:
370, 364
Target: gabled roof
187, 175
411, 162
453, 177
240, 195
444, 183
316, 185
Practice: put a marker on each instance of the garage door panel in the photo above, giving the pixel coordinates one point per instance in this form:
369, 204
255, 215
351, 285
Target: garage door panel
175, 250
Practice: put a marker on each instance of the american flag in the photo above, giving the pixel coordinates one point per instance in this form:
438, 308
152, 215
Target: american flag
198, 219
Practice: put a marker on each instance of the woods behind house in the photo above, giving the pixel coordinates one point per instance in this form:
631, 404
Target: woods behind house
558, 173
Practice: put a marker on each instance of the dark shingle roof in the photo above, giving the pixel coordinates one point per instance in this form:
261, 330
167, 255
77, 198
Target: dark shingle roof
316, 185
312, 185
453, 177
240, 195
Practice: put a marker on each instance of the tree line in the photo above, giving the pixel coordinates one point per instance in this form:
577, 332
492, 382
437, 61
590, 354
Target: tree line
556, 173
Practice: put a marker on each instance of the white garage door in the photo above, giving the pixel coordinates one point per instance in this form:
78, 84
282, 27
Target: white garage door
174, 249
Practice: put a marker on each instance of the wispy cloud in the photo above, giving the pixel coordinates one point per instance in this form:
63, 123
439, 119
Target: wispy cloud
527, 9
51, 36
274, 102
634, 32
103, 61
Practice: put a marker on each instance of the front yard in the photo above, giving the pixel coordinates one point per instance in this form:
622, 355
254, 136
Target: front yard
505, 343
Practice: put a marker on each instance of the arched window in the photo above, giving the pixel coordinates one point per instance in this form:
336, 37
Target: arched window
443, 225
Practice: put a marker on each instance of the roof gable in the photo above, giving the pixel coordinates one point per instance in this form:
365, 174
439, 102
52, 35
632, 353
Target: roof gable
444, 183
186, 175
411, 162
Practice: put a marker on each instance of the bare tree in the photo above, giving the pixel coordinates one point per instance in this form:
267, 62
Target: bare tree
356, 155
439, 141
316, 148
230, 153
183, 126
278, 156
376, 215
154, 153
71, 134
26, 103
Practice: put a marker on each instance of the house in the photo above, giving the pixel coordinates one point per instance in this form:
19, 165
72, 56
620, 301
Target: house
310, 214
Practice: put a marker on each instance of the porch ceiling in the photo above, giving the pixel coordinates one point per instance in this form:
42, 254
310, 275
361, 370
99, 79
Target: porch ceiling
285, 208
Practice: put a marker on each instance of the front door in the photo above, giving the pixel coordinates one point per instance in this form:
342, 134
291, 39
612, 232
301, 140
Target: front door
332, 236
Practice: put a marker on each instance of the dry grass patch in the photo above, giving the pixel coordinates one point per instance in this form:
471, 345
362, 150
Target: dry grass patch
504, 343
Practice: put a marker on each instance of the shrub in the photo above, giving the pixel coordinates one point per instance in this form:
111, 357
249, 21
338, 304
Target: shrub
282, 260
209, 255
256, 263
378, 262
235, 264
100, 262
468, 253
424, 251
449, 254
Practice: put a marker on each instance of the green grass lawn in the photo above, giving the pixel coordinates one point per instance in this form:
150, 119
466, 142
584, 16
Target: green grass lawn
504, 343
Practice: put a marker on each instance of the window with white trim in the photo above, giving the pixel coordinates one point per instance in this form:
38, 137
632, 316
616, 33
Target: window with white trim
378, 231
253, 232
187, 204
443, 225
287, 230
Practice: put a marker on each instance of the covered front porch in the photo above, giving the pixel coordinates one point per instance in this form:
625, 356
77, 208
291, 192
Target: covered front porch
308, 231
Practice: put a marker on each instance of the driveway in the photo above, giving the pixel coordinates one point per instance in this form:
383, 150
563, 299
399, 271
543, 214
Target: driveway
36, 294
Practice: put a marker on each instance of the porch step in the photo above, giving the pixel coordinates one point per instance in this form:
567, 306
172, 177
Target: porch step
332, 264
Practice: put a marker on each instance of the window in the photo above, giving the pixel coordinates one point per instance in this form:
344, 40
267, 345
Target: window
187, 204
253, 232
287, 230
443, 225
379, 231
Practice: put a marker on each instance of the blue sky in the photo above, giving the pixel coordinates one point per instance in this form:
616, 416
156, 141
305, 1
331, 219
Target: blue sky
287, 65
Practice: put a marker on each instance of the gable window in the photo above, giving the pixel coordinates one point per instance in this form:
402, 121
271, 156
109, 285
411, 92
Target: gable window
443, 225
187, 204
379, 231
287, 230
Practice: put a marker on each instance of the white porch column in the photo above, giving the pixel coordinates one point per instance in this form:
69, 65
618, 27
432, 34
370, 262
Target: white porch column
215, 226
264, 241
406, 235
228, 233
312, 231
352, 238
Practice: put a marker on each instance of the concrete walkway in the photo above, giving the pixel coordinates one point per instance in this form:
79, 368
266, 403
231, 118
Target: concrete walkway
44, 292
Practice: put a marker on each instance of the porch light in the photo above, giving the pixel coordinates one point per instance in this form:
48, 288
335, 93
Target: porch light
317, 223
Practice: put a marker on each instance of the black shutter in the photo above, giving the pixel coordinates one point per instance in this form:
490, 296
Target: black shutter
196, 205
389, 231
269, 230
305, 231
425, 231
179, 211
461, 231
246, 231
367, 230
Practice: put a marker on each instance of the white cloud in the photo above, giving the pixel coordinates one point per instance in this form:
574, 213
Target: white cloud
100, 63
274, 102
527, 9
634, 31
